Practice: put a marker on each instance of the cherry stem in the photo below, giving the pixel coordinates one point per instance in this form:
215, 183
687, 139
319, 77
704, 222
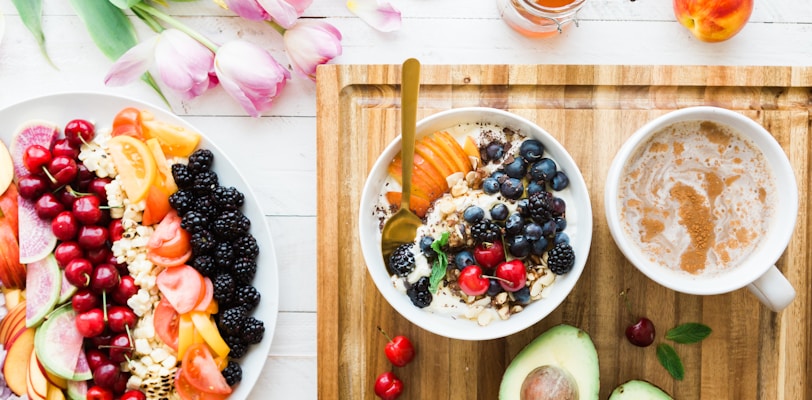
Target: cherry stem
510, 283
104, 304
48, 174
74, 193
384, 334
623, 294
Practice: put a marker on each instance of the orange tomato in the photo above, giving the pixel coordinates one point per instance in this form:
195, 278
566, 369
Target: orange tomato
135, 164
157, 206
176, 141
128, 123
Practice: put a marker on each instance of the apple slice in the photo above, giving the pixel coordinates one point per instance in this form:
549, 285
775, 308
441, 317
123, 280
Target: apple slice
445, 139
12, 272
19, 351
38, 383
6, 168
54, 393
13, 297
12, 323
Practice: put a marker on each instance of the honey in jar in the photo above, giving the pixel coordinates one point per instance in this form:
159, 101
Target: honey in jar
539, 18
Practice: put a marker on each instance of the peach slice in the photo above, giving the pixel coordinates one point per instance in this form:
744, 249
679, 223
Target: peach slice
417, 204
472, 149
456, 150
446, 154
438, 160
421, 182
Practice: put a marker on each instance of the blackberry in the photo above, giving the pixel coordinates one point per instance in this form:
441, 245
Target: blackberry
402, 260
183, 177
231, 225
205, 182
182, 201
237, 347
486, 231
224, 255
248, 297
540, 207
232, 373
224, 287
232, 320
205, 265
244, 270
560, 258
203, 242
253, 330
419, 293
207, 206
246, 246
200, 161
228, 197
194, 222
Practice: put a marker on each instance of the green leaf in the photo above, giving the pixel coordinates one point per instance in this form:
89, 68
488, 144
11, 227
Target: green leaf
669, 359
691, 332
31, 14
438, 268
125, 4
109, 28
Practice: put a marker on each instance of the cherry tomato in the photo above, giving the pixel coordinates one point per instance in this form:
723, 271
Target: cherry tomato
128, 122
166, 321
202, 372
388, 386
188, 392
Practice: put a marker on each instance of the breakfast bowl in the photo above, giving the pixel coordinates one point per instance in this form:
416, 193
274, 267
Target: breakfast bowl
476, 219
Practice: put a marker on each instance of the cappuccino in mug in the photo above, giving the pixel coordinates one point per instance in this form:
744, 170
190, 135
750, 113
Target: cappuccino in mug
696, 197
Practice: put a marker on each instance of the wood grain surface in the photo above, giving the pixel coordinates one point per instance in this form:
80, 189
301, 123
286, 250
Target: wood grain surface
752, 352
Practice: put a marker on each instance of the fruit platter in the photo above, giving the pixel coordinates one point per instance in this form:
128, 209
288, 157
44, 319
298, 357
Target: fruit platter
136, 262
612, 331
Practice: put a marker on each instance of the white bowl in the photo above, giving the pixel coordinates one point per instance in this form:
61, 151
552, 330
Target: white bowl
579, 229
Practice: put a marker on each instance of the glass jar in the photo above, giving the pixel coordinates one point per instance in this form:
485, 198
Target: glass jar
539, 18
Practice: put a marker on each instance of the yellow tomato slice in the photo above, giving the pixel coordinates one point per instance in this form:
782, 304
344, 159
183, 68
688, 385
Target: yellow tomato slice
135, 164
176, 141
210, 334
164, 176
186, 334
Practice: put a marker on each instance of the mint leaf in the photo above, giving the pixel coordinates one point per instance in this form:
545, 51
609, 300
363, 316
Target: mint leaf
438, 268
691, 332
669, 359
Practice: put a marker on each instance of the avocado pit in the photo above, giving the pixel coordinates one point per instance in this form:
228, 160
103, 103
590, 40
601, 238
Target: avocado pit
548, 383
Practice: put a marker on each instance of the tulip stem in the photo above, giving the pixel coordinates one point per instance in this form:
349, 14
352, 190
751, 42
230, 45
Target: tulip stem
277, 27
175, 24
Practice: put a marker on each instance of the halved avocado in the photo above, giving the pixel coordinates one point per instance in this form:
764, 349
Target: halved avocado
560, 364
638, 390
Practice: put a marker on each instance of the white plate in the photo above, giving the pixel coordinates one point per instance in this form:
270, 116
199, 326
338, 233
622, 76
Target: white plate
101, 108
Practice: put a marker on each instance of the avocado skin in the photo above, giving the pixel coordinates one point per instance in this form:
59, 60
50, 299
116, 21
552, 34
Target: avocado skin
562, 346
638, 390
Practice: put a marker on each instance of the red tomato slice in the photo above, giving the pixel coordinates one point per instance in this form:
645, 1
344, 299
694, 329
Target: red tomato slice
188, 392
128, 122
157, 206
165, 320
169, 262
202, 372
206, 296
169, 245
181, 286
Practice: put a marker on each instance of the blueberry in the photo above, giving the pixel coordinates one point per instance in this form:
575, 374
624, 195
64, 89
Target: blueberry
521, 207
559, 206
425, 246
543, 169
499, 212
473, 214
560, 223
516, 169
514, 224
540, 246
519, 246
548, 229
531, 150
560, 181
522, 296
494, 151
533, 231
561, 237
464, 259
498, 175
511, 188
490, 186
494, 288
534, 187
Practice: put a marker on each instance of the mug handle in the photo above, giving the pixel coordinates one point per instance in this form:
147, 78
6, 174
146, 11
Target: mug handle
773, 289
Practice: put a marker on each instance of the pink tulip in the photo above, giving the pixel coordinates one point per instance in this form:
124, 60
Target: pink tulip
250, 75
379, 14
183, 64
311, 43
285, 12
248, 9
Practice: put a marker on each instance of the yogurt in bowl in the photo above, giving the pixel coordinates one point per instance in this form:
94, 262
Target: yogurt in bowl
507, 225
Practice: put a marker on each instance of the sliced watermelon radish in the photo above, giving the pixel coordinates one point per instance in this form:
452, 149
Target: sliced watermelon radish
77, 390
67, 290
59, 345
43, 133
37, 238
44, 284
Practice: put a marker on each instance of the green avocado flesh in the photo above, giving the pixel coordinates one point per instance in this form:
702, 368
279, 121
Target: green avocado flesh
638, 390
562, 362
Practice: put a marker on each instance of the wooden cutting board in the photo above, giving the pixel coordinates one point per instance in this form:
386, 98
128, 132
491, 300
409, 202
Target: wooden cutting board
751, 354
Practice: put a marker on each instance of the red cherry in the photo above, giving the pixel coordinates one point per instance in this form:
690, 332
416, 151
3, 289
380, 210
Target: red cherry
83, 178
641, 333
92, 236
98, 393
79, 131
472, 282
65, 252
98, 186
90, 323
48, 206
35, 157
106, 375
104, 277
489, 255
121, 318
116, 230
31, 187
388, 386
98, 256
512, 275
65, 226
63, 147
67, 198
95, 358
86, 210
63, 169
84, 300
120, 348
126, 288
133, 395
399, 350
78, 271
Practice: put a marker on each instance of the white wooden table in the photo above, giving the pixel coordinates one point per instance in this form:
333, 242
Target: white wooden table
277, 153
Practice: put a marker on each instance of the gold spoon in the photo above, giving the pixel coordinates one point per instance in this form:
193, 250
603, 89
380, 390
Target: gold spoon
401, 227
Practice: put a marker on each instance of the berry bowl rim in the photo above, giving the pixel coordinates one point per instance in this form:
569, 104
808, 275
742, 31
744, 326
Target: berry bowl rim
463, 329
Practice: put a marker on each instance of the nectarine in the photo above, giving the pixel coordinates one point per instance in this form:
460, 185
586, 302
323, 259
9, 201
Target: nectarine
713, 20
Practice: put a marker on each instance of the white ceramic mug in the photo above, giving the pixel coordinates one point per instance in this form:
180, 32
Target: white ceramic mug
757, 271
